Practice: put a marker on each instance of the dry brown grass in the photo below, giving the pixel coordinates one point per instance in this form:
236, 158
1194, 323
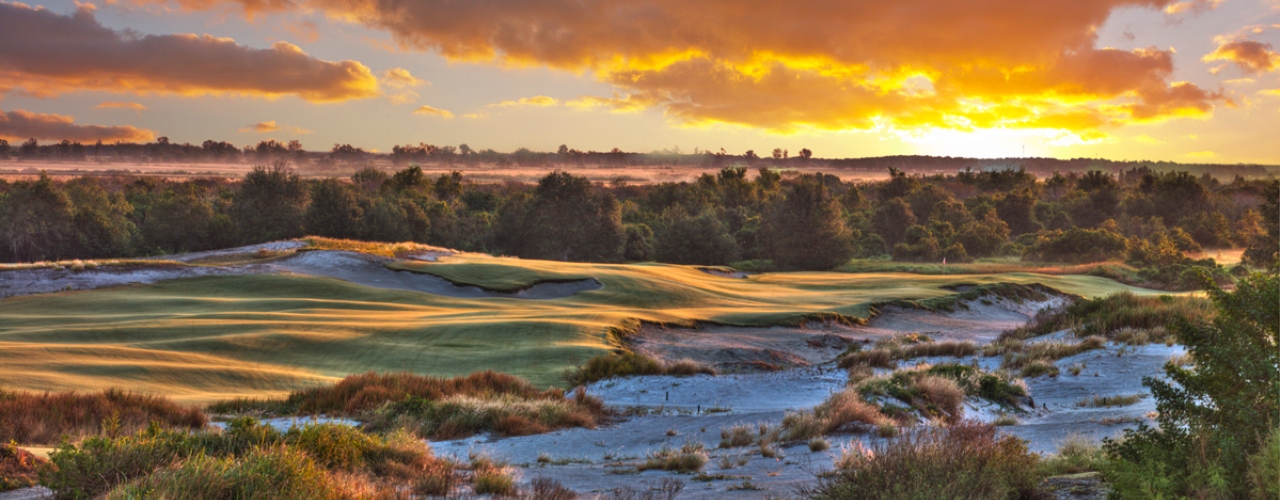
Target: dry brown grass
888, 352
944, 393
47, 418
841, 409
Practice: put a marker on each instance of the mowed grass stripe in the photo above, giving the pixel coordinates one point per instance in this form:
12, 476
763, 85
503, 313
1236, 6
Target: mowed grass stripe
204, 338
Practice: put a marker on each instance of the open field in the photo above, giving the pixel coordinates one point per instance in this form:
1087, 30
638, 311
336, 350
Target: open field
206, 338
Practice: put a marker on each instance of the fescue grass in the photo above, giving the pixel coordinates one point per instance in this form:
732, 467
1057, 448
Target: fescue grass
381, 249
841, 409
964, 461
1124, 317
89, 265
496, 481
819, 444
1110, 401
436, 407
211, 338
47, 418
317, 461
631, 364
689, 457
887, 352
938, 391
18, 467
1076, 454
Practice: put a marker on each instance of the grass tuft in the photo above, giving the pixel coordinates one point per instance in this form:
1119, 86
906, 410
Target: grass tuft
47, 418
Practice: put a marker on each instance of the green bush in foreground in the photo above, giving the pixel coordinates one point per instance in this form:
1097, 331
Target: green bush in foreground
264, 474
1216, 416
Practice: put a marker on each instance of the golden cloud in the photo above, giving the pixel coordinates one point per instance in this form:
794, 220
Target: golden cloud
401, 83
270, 126
789, 66
122, 105
430, 111
535, 101
1249, 56
22, 125
43, 53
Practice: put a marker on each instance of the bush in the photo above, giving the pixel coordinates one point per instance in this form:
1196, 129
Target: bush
963, 461
842, 408
1077, 245
18, 467
493, 480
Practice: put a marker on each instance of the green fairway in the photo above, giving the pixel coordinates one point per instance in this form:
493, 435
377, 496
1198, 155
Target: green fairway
208, 338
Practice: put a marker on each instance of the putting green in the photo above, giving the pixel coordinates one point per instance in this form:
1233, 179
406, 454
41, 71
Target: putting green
202, 339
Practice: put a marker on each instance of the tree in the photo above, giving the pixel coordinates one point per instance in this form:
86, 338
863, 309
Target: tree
805, 230
38, 221
639, 244
701, 239
806, 154
891, 220
1264, 250
270, 205
983, 238
334, 210
918, 245
1018, 210
565, 219
102, 224
1213, 415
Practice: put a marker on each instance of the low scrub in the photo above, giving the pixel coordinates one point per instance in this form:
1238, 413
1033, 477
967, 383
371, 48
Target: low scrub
47, 418
964, 461
315, 461
18, 467
630, 364
1076, 454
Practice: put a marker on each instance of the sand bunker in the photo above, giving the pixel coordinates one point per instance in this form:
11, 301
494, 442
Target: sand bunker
35, 281
367, 270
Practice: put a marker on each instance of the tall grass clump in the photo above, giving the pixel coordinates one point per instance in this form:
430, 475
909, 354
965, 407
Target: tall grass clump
47, 418
841, 409
689, 457
963, 461
630, 364
456, 417
887, 352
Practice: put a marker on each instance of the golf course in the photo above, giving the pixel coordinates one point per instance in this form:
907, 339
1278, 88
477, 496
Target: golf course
261, 330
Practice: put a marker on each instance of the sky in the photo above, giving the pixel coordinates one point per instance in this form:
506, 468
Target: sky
1188, 81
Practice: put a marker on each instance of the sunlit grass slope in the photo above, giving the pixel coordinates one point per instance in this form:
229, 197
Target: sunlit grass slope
207, 338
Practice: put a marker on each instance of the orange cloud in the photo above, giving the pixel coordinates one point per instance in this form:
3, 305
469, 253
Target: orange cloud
43, 53
430, 111
22, 125
271, 126
122, 105
1249, 56
400, 83
788, 66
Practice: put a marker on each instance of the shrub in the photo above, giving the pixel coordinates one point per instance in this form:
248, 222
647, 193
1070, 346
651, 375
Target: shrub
46, 418
963, 461
737, 435
1110, 315
944, 393
461, 416
1264, 468
544, 488
818, 444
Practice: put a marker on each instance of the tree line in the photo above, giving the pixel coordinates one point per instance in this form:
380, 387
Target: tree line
767, 219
